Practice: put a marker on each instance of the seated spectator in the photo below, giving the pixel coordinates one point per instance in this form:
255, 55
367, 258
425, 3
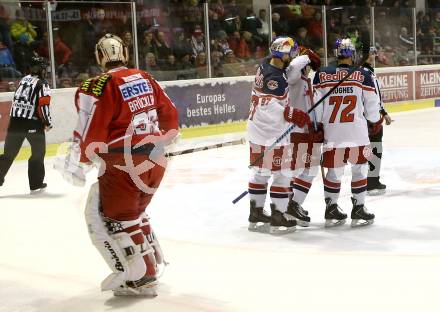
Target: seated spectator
22, 54
151, 63
217, 63
170, 63
102, 25
5, 33
302, 38
22, 30
251, 23
314, 27
161, 46
197, 42
234, 42
214, 23
245, 47
201, 65
7, 65
278, 26
435, 23
6, 59
185, 62
263, 30
405, 41
62, 52
193, 13
127, 38
232, 8
230, 57
180, 45
231, 23
146, 45
221, 43
201, 59
217, 7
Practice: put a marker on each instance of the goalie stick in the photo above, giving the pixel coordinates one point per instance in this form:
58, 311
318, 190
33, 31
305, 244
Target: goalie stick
290, 129
204, 148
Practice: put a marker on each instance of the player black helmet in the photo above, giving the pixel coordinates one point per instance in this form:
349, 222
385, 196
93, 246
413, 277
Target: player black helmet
38, 65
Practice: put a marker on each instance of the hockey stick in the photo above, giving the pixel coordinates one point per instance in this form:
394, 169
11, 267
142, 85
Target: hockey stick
204, 148
288, 130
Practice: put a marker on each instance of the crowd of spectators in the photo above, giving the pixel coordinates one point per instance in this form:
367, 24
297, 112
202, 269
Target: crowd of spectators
172, 36
174, 33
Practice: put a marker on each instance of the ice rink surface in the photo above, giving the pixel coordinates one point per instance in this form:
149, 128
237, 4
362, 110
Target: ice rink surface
48, 264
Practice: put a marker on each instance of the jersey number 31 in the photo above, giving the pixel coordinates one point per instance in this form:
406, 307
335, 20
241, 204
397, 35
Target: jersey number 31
347, 114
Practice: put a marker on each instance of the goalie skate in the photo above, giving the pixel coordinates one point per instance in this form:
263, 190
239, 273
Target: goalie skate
334, 216
281, 223
360, 215
258, 220
148, 289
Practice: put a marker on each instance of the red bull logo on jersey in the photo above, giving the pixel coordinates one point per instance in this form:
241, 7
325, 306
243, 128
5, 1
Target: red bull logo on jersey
339, 75
135, 88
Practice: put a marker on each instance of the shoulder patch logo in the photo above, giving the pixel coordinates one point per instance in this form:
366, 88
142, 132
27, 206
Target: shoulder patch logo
85, 86
99, 84
272, 84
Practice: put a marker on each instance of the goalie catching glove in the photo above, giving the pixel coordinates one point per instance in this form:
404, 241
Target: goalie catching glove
296, 116
72, 170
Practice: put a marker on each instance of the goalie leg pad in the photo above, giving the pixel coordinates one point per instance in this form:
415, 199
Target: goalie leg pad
151, 239
121, 243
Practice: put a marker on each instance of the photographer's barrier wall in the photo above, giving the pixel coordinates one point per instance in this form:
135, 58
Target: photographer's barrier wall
219, 107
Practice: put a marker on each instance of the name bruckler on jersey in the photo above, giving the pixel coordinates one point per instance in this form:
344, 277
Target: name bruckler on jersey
135, 88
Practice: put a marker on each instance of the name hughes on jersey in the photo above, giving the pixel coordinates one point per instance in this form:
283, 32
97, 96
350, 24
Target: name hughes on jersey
343, 90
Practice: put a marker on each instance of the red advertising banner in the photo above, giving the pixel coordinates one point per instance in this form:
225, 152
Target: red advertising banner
427, 84
5, 107
397, 86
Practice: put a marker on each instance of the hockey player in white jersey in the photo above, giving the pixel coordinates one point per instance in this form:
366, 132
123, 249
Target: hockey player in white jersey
270, 115
305, 142
344, 115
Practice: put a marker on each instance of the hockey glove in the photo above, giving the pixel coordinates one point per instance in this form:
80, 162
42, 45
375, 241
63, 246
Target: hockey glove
318, 134
296, 116
315, 60
71, 169
375, 127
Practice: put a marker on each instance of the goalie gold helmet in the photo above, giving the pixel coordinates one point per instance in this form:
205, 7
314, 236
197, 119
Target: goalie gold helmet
110, 48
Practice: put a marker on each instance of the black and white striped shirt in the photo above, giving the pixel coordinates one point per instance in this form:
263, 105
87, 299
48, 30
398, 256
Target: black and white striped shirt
32, 99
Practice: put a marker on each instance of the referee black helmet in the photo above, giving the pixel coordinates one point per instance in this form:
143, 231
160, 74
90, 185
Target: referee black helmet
38, 66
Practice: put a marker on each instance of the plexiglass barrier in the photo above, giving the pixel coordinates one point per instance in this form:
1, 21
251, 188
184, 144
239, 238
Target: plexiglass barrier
178, 40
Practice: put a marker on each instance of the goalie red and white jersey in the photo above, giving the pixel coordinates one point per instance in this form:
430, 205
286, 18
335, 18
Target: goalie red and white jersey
345, 112
121, 98
269, 98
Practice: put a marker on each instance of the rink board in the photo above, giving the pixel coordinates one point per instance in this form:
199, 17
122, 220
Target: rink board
218, 106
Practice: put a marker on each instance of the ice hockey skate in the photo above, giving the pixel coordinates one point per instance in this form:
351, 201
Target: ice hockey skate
147, 289
360, 215
297, 212
258, 220
334, 215
281, 223
39, 190
375, 188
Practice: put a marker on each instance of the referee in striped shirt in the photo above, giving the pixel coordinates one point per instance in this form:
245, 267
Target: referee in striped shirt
30, 118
